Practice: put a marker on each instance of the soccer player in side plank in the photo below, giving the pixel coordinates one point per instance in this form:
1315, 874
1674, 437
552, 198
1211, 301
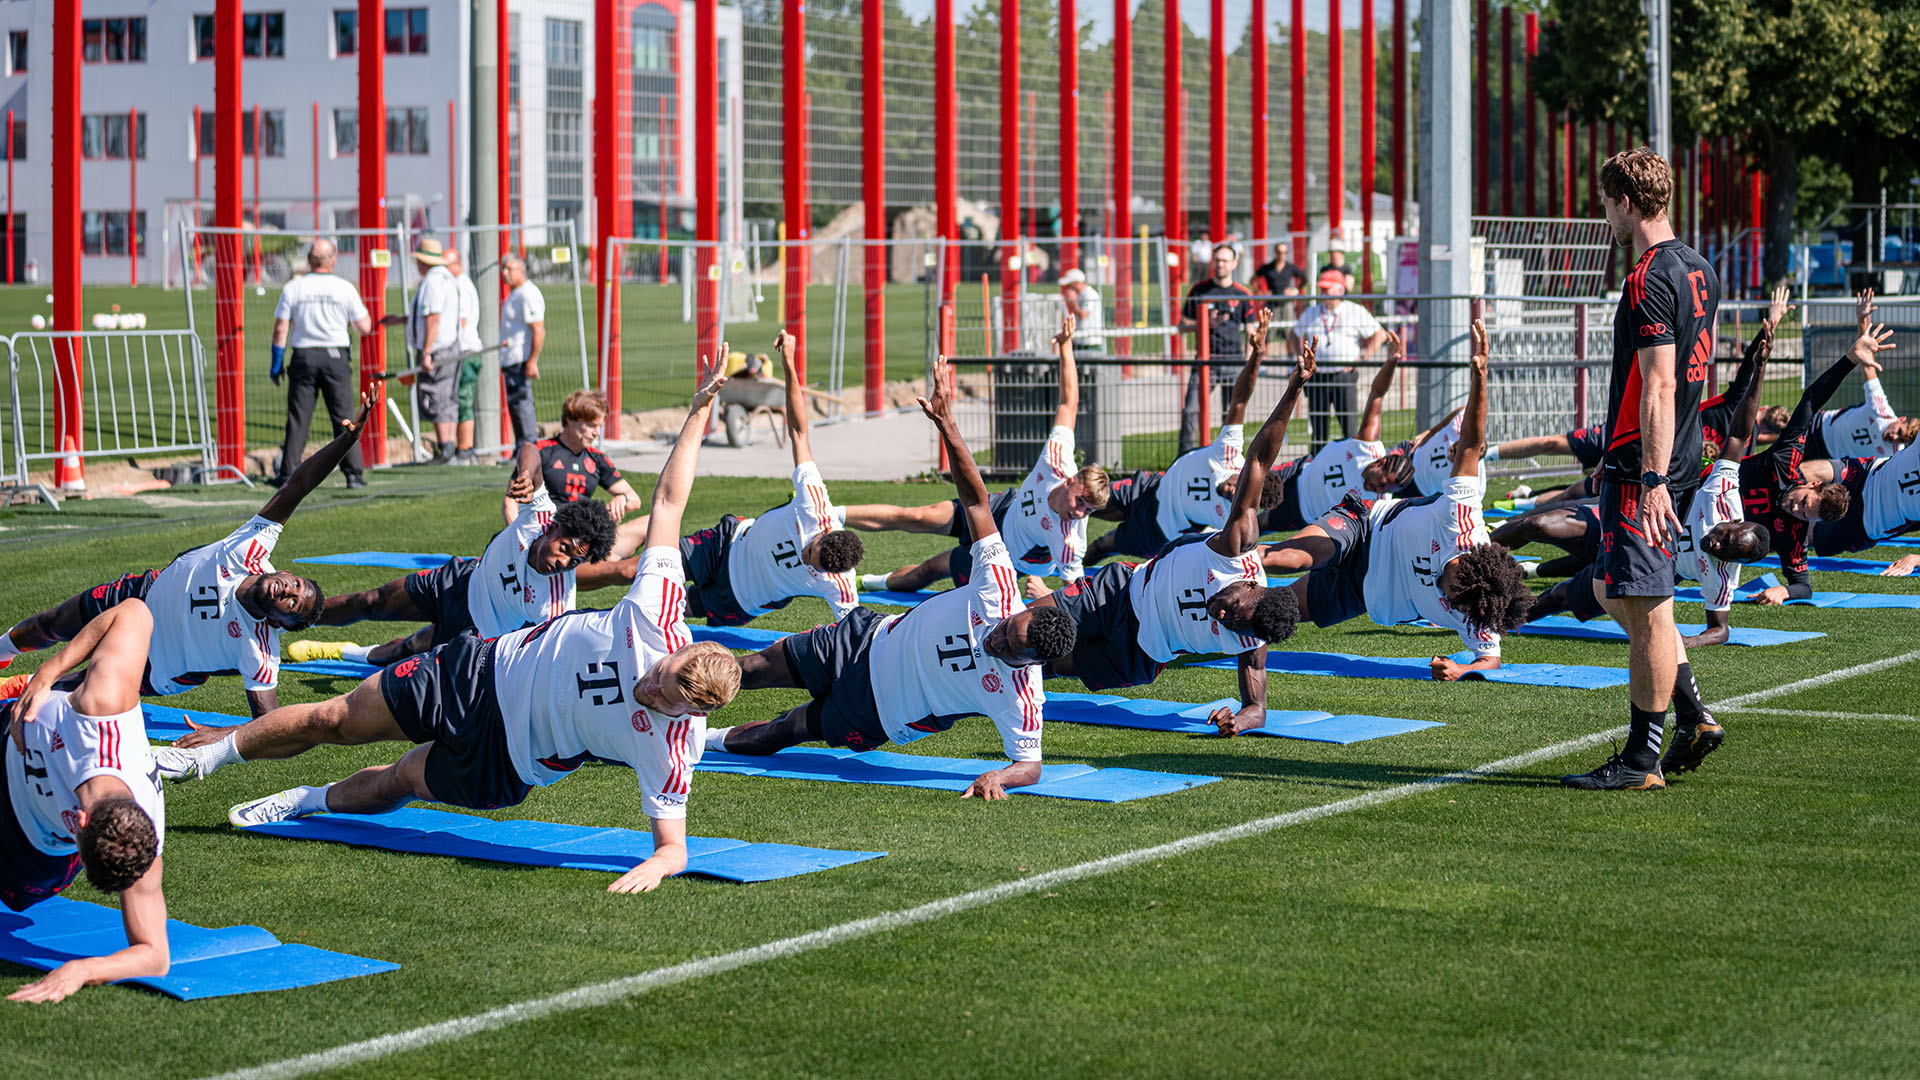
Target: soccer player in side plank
81, 792
1201, 594
491, 719
1870, 429
1043, 521
220, 607
975, 650
524, 577
1426, 558
1316, 483
743, 568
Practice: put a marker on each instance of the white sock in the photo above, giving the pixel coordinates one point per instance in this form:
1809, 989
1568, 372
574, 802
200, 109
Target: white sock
7, 649
1492, 454
356, 652
224, 752
717, 738
874, 582
311, 800
1524, 504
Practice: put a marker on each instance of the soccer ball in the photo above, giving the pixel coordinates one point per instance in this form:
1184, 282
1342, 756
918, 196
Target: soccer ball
102, 321
39, 322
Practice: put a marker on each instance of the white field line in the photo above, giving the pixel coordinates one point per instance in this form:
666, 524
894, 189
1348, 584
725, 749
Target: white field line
613, 990
1808, 714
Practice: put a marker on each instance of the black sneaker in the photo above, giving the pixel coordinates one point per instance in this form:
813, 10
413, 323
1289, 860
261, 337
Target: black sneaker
1691, 745
1616, 775
356, 482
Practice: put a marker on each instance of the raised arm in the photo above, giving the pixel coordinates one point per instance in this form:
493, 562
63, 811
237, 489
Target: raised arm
1242, 533
1069, 410
1740, 427
676, 476
1421, 439
786, 346
315, 469
1472, 443
525, 481
1257, 345
938, 405
1382, 382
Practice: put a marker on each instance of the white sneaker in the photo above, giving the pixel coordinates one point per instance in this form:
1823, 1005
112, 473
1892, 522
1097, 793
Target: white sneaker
280, 806
181, 764
1530, 569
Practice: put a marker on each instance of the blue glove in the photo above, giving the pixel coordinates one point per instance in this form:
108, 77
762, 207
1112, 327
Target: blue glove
279, 363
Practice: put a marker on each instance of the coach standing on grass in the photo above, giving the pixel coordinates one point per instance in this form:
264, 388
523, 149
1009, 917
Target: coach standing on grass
433, 333
315, 311
523, 332
468, 388
1651, 466
1343, 334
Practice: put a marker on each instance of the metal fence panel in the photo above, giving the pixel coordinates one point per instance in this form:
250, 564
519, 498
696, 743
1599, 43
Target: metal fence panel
141, 393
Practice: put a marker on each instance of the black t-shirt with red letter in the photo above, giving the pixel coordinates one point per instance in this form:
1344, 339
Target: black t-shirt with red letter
1671, 298
1229, 313
571, 477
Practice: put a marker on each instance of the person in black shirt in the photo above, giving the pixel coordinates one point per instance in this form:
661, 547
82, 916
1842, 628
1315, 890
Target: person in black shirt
573, 467
1662, 361
1279, 277
1229, 313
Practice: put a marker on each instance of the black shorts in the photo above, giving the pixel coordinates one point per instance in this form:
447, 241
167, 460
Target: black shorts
831, 662
1589, 515
1337, 591
1630, 563
97, 600
1138, 498
1846, 535
1587, 444
1107, 654
445, 697
1582, 604
960, 564
440, 594
27, 874
1286, 516
703, 556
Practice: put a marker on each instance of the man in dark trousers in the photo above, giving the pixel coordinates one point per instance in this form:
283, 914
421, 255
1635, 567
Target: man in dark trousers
311, 323
1228, 312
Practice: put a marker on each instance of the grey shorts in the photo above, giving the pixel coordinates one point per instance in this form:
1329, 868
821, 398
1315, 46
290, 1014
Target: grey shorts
439, 391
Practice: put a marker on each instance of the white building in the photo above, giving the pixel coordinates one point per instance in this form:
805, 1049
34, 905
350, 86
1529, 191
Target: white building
301, 74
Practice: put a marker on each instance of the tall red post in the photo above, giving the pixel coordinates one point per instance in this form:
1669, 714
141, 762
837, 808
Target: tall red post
133, 196
372, 136
259, 146
1506, 111
609, 192
946, 147
1367, 105
1122, 127
66, 234
793, 154
1173, 159
706, 177
1593, 169
229, 256
1010, 248
1217, 119
1569, 135
198, 153
1482, 31
665, 184
1257, 63
1533, 133
1297, 131
10, 196
1069, 136
873, 195
503, 61
1031, 199
1336, 123
1400, 117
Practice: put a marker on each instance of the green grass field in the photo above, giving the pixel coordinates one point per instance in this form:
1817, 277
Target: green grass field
1758, 918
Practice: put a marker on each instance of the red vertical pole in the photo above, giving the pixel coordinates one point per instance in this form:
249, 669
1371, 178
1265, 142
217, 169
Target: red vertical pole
10, 197
665, 156
230, 388
198, 153
1593, 169
1400, 117
1367, 106
1122, 127
1202, 338
1009, 173
1032, 198
1172, 158
946, 156
873, 169
1568, 133
316, 168
607, 17
503, 62
1757, 218
793, 153
1297, 131
259, 144
1217, 119
1533, 50
1069, 136
1336, 123
133, 196
1506, 111
1257, 62
372, 113
66, 233
1482, 30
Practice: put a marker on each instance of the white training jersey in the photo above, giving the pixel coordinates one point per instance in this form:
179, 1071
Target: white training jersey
1334, 473
1338, 330
930, 665
1716, 500
64, 750
764, 563
1862, 430
437, 294
1169, 594
506, 593
469, 313
1040, 541
1089, 328
1415, 539
200, 628
1433, 461
566, 690
320, 310
1190, 489
522, 308
1892, 494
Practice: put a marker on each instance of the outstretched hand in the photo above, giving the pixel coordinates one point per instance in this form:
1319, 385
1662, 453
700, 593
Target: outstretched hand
1067, 323
1482, 349
938, 404
359, 421
1303, 366
706, 394
1396, 348
1872, 342
1778, 308
1262, 328
1863, 309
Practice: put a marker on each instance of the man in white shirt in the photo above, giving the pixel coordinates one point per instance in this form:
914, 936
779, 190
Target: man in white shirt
1083, 303
1352, 465
467, 391
433, 335
220, 607
1427, 558
1043, 521
975, 650
315, 312
493, 719
1343, 334
523, 333
80, 791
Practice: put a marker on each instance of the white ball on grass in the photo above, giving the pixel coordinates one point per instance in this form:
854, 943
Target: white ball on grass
39, 322
101, 321
49, 298
139, 320
259, 290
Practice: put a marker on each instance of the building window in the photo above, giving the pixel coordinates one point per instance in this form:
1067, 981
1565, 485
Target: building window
654, 93
16, 52
407, 31
273, 120
106, 137
346, 32
262, 34
515, 194
566, 148
203, 37
346, 132
104, 232
652, 47
113, 41
407, 131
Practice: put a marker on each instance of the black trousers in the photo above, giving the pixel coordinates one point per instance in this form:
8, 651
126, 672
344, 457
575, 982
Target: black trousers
1221, 374
329, 371
1330, 394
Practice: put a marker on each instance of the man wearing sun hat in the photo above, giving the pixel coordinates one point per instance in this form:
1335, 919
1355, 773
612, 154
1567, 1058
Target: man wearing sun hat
1343, 334
1083, 303
433, 333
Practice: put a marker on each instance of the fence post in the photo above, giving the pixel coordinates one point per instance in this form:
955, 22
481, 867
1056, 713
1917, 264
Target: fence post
1203, 348
1580, 366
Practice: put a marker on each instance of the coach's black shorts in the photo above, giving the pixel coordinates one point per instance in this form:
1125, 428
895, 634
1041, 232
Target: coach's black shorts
703, 556
1630, 562
445, 697
27, 874
831, 662
1286, 516
1107, 653
1138, 498
1337, 591
440, 594
97, 600
1589, 515
960, 563
1587, 444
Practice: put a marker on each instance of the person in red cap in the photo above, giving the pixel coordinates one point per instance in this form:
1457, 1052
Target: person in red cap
1343, 334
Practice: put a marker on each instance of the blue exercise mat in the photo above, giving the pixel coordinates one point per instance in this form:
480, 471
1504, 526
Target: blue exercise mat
398, 560
752, 638
205, 963
897, 599
1575, 676
1847, 566
544, 843
1083, 782
1607, 630
1747, 591
1309, 724
344, 669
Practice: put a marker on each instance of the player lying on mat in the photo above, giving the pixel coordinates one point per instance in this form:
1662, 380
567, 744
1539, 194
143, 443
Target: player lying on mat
745, 567
1712, 547
493, 718
220, 607
1869, 429
1426, 558
572, 465
81, 792
1043, 522
1201, 594
1885, 494
1316, 483
525, 576
975, 650
1196, 492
